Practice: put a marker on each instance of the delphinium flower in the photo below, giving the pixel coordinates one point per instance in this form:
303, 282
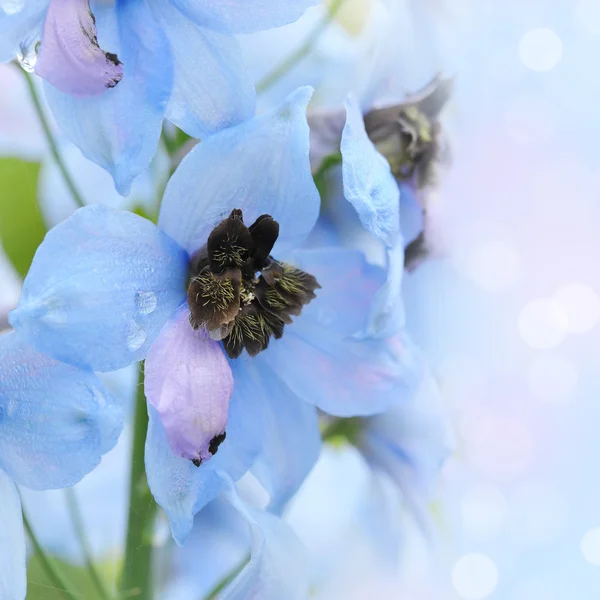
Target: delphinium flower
114, 70
56, 421
408, 135
268, 331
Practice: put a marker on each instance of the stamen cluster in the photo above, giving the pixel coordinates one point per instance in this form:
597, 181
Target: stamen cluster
239, 292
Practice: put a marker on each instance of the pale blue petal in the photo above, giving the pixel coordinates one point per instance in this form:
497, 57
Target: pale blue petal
342, 375
56, 421
278, 566
410, 443
368, 182
289, 432
349, 287
260, 166
387, 313
13, 578
411, 213
20, 27
120, 129
212, 89
101, 286
181, 488
243, 16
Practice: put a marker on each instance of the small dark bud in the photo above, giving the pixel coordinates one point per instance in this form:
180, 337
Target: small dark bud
264, 232
229, 243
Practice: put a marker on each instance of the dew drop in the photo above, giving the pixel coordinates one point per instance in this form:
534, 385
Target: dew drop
27, 55
136, 336
146, 302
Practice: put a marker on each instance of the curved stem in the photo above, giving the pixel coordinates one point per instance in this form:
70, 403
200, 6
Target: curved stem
50, 138
76, 518
54, 575
269, 80
136, 579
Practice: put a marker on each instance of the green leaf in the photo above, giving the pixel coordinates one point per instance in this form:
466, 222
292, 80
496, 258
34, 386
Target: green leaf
21, 225
40, 588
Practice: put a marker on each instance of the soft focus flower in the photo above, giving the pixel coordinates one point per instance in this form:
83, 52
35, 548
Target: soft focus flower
235, 538
56, 421
114, 74
108, 288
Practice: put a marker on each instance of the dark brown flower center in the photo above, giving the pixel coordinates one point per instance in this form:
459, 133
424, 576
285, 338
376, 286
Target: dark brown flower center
239, 292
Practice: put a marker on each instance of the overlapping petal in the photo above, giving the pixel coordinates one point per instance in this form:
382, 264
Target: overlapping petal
344, 376
56, 420
211, 87
183, 489
100, 288
243, 16
70, 57
120, 129
260, 166
410, 442
289, 431
13, 580
368, 182
189, 383
349, 286
278, 566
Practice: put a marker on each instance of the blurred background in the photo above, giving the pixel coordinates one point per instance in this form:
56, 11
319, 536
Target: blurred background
506, 307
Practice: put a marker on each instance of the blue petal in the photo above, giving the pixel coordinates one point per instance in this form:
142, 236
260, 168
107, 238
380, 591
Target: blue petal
290, 436
260, 166
243, 17
212, 88
349, 287
278, 566
120, 129
387, 313
56, 421
101, 286
368, 182
20, 27
183, 489
410, 443
13, 578
343, 375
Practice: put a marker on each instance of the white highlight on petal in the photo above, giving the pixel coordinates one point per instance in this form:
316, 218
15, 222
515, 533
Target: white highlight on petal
587, 16
543, 323
494, 265
474, 576
483, 510
590, 546
540, 49
581, 304
553, 378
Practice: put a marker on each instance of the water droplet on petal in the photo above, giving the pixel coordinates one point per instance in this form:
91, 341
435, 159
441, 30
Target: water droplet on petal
146, 302
136, 336
27, 55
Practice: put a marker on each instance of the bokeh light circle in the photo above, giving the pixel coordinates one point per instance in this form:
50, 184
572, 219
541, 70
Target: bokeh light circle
540, 49
590, 546
581, 305
474, 576
543, 323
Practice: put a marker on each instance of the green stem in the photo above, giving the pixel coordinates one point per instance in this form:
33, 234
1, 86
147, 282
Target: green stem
76, 518
136, 577
50, 138
269, 80
320, 176
54, 575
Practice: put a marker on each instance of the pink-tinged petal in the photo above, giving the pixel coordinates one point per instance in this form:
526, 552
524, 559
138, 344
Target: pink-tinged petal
70, 57
189, 383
